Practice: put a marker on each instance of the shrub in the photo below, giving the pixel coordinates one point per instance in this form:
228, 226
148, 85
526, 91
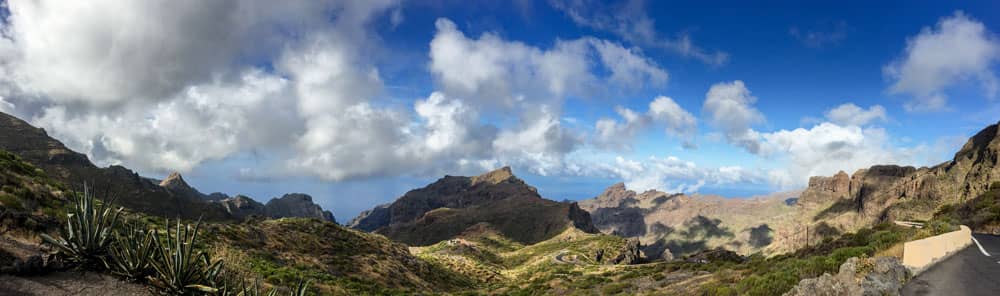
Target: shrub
88, 232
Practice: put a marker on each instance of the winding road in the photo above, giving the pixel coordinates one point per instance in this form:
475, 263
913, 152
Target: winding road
974, 270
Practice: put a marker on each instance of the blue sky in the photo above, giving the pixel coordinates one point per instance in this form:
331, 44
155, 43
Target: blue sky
355, 103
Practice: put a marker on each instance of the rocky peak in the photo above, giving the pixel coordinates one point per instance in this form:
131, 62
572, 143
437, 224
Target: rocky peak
176, 184
985, 142
494, 177
296, 205
174, 180
613, 196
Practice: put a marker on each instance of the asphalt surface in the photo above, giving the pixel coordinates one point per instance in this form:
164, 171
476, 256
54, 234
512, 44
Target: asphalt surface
968, 272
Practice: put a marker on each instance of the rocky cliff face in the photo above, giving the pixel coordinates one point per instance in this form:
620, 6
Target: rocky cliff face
241, 206
670, 225
448, 206
296, 205
884, 193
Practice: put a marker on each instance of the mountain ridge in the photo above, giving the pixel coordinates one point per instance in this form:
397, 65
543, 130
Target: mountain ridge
170, 197
446, 207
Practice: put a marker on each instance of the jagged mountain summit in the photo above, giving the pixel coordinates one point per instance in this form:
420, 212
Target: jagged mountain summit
447, 207
170, 197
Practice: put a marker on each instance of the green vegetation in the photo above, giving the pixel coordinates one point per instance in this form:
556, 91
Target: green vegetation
180, 268
131, 252
173, 261
979, 213
89, 231
777, 275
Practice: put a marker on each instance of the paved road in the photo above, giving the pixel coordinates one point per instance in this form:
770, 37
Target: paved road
969, 272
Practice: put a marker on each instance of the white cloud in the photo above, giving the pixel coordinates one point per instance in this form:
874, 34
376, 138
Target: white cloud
629, 21
851, 114
826, 149
958, 48
110, 52
679, 122
203, 122
730, 108
670, 174
491, 71
5, 106
539, 144
663, 110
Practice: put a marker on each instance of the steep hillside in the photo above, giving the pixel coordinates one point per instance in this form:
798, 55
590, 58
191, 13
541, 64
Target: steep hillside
681, 224
446, 208
73, 169
341, 261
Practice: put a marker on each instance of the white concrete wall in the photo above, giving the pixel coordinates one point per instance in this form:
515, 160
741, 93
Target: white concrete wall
920, 254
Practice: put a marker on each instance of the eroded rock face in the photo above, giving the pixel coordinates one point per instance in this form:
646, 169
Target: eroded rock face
296, 205
684, 223
837, 184
878, 276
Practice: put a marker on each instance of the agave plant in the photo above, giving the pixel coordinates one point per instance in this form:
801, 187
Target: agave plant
180, 268
88, 232
132, 252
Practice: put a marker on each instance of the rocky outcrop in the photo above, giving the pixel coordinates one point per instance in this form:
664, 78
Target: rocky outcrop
296, 205
445, 208
241, 206
888, 192
176, 184
865, 276
680, 223
370, 220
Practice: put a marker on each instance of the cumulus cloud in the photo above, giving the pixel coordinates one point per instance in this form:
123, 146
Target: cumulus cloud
672, 174
729, 107
628, 20
539, 144
959, 48
851, 114
662, 111
848, 141
203, 122
109, 52
496, 72
825, 149
679, 122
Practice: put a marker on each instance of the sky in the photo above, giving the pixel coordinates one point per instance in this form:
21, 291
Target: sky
356, 102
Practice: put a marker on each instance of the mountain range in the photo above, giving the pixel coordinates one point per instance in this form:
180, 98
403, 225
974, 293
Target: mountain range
170, 197
495, 234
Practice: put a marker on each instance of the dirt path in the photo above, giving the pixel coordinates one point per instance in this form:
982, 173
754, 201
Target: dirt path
69, 283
